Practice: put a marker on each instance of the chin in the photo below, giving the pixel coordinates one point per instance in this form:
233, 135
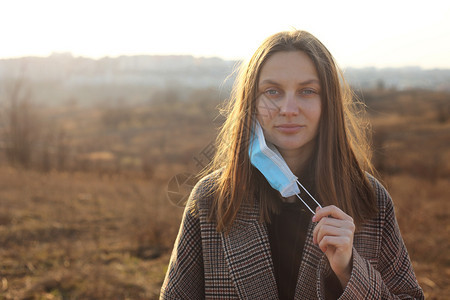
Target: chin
294, 145
290, 146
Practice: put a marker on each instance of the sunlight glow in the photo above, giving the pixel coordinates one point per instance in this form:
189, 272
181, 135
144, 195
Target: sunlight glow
358, 33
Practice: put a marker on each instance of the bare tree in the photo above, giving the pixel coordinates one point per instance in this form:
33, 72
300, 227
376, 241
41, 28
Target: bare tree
62, 150
19, 123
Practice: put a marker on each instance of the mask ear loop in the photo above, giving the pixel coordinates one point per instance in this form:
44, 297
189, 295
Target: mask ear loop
309, 196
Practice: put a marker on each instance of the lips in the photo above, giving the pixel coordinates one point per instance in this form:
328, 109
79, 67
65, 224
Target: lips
289, 128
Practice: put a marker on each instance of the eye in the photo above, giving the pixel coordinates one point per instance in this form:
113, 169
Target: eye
308, 92
271, 92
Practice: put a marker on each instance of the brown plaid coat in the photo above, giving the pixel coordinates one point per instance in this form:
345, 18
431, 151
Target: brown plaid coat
206, 264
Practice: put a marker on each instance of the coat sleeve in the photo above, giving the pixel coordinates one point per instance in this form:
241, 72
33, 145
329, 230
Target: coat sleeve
185, 277
394, 277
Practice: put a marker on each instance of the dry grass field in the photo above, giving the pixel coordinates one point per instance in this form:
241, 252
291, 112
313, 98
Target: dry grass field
75, 236
102, 227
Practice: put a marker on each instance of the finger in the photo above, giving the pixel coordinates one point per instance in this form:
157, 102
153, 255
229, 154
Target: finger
331, 226
337, 223
327, 230
330, 211
338, 242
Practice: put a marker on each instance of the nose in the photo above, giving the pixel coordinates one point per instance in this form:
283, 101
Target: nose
289, 106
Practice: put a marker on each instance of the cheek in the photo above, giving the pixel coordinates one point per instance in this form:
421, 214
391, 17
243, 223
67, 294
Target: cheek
315, 112
265, 110
316, 116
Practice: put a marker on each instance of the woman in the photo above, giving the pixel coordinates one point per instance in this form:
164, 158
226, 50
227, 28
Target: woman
240, 239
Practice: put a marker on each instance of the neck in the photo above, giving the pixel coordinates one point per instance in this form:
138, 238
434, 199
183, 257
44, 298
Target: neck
298, 159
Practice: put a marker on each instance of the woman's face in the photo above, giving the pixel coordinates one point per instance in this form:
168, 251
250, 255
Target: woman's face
289, 105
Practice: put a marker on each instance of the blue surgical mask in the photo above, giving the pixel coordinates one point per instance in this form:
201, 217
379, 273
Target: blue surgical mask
268, 160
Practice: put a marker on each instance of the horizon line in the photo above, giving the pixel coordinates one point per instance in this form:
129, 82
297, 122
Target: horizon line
235, 60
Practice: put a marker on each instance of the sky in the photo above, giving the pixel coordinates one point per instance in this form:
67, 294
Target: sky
383, 33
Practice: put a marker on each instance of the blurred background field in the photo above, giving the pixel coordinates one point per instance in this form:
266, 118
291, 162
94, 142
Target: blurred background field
86, 161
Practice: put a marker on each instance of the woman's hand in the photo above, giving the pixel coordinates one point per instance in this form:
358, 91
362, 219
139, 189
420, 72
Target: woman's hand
334, 236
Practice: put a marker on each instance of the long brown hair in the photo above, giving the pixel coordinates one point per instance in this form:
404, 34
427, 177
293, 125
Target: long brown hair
342, 153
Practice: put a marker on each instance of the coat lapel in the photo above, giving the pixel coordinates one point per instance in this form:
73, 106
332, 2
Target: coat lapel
248, 256
307, 275
247, 253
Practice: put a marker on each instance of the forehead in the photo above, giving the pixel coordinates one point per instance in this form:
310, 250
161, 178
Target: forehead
288, 66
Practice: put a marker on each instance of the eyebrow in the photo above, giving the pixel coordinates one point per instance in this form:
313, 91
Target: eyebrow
309, 81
